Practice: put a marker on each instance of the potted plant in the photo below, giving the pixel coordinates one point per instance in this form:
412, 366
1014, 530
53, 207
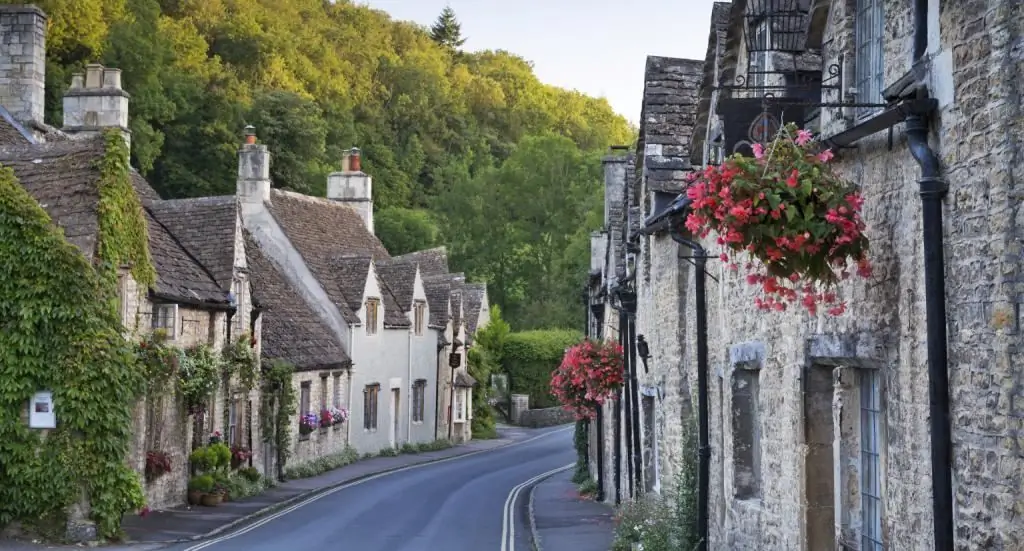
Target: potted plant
198, 486
214, 497
157, 463
787, 209
308, 423
239, 455
338, 415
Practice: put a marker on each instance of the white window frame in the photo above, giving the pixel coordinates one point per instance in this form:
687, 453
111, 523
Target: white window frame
869, 60
232, 421
872, 438
460, 405
164, 311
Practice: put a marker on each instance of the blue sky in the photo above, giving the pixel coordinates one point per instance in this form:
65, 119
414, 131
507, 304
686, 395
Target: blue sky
595, 46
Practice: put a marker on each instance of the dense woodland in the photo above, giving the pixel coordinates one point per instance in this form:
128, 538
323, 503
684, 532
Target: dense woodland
467, 150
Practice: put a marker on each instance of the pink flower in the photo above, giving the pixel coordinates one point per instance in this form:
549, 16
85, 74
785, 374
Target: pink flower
758, 150
825, 156
802, 137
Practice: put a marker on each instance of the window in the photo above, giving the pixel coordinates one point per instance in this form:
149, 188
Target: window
460, 404
420, 316
233, 423
372, 309
746, 434
323, 392
370, 396
868, 35
336, 401
303, 405
870, 460
819, 395
165, 316
419, 392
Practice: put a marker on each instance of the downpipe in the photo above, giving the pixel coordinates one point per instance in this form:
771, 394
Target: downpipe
638, 468
932, 188
627, 392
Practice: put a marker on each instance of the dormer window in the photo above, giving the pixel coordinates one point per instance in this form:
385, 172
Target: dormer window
372, 315
165, 318
869, 35
419, 317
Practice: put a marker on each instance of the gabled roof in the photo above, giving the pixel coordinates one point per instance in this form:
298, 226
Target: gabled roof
438, 289
325, 233
292, 331
206, 228
473, 294
11, 131
464, 380
178, 274
400, 277
431, 261
63, 177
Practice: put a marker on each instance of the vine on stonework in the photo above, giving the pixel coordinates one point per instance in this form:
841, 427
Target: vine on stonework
198, 374
240, 360
158, 360
277, 406
60, 331
791, 212
123, 233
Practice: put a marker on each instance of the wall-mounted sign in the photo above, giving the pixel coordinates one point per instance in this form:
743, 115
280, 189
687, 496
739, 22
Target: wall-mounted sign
454, 360
40, 411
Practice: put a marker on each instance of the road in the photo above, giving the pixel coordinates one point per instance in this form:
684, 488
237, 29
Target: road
455, 505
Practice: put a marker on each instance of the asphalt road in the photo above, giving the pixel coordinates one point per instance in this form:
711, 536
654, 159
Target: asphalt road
453, 505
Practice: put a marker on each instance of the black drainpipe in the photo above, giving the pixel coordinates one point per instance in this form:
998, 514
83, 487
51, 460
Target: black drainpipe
627, 393
672, 219
617, 468
932, 190
638, 468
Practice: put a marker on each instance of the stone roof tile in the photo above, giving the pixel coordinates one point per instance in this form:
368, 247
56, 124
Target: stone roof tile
178, 274
206, 227
431, 261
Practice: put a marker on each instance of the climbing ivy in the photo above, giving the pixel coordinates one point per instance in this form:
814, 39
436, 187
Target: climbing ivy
157, 360
123, 234
277, 406
240, 359
60, 331
198, 375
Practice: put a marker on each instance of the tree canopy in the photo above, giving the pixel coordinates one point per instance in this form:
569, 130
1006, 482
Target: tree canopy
505, 165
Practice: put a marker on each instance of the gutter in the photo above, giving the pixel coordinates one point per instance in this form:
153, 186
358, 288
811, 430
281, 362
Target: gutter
156, 296
676, 211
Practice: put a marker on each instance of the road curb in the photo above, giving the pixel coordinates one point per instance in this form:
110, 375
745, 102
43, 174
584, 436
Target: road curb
323, 489
535, 542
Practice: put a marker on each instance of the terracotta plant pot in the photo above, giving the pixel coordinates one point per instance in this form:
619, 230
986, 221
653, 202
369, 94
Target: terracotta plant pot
212, 500
195, 497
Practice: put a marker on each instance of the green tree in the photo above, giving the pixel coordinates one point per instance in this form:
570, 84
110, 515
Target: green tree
295, 133
406, 230
446, 30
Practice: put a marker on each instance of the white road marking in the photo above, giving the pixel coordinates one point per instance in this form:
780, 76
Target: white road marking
508, 521
322, 495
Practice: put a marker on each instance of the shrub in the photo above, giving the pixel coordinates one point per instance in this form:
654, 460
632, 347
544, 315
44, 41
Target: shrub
410, 448
322, 464
529, 357
251, 474
387, 452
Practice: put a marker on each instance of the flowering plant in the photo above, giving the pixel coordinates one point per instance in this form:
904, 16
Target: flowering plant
590, 372
326, 419
215, 438
338, 415
157, 463
308, 423
789, 210
239, 455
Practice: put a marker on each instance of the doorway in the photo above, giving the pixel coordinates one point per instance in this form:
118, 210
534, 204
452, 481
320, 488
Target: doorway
394, 417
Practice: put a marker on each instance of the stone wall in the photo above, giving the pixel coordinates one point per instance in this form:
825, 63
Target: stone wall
777, 374
23, 66
322, 441
546, 417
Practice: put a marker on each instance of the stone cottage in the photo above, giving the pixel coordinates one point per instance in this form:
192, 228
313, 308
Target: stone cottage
376, 307
892, 425
61, 169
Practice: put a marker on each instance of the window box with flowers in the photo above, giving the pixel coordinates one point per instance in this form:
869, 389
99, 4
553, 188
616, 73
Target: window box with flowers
798, 221
338, 417
590, 373
307, 424
326, 420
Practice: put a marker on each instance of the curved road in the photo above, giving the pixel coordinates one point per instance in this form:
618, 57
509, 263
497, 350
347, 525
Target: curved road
453, 505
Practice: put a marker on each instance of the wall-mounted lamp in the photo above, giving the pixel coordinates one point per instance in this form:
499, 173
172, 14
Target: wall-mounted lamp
643, 350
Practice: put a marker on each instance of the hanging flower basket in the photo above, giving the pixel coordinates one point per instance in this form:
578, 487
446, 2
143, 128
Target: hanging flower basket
590, 373
790, 211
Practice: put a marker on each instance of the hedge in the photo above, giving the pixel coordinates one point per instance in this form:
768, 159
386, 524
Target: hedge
529, 357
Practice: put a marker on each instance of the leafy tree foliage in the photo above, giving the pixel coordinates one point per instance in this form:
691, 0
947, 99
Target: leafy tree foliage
447, 31
506, 165
406, 230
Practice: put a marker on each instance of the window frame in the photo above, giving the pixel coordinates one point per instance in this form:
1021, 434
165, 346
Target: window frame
372, 315
231, 434
460, 405
336, 397
371, 402
869, 54
419, 396
160, 316
871, 450
305, 391
419, 317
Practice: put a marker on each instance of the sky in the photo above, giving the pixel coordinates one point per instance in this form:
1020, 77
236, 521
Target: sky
598, 47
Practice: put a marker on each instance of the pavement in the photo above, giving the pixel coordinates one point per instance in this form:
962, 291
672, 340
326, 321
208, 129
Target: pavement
432, 493
561, 520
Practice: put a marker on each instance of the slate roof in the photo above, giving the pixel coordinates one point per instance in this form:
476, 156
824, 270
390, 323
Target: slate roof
326, 233
11, 132
431, 261
438, 289
671, 90
400, 277
474, 298
463, 379
145, 191
62, 176
205, 226
178, 274
292, 331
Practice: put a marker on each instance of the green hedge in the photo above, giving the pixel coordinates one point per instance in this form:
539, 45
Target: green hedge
529, 357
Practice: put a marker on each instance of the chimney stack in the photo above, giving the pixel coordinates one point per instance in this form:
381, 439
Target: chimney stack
253, 185
96, 102
352, 186
23, 63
